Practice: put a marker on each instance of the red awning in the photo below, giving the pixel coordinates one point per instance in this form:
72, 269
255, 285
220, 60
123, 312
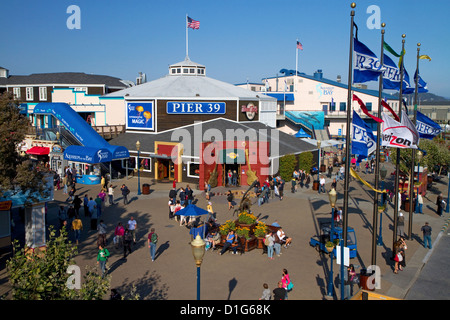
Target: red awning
40, 151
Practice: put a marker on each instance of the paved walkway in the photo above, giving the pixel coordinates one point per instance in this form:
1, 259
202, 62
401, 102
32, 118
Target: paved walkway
172, 275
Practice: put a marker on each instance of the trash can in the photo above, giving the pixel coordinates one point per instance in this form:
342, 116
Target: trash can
145, 188
364, 280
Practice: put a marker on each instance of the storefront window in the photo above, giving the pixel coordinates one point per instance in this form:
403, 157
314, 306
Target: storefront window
146, 164
193, 169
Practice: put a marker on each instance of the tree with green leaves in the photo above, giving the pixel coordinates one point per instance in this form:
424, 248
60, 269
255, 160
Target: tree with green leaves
288, 163
42, 275
305, 161
17, 173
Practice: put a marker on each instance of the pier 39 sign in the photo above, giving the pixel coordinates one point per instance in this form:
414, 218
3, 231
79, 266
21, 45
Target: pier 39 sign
186, 107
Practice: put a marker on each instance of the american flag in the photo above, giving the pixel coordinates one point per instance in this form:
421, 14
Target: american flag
299, 45
193, 23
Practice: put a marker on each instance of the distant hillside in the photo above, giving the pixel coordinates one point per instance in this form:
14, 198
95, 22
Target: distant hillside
426, 99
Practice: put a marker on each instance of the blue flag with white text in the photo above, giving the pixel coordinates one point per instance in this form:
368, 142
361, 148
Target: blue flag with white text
366, 66
363, 140
427, 128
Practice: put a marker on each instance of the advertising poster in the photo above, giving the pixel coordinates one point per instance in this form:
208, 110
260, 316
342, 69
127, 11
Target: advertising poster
140, 115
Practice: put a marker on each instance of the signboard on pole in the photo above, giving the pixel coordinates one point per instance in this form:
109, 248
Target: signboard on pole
346, 255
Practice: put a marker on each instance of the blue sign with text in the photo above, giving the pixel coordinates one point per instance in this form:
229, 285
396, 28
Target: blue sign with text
140, 115
184, 107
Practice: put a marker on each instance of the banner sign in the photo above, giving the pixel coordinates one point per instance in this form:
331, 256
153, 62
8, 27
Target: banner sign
399, 135
367, 66
140, 115
363, 140
427, 128
186, 107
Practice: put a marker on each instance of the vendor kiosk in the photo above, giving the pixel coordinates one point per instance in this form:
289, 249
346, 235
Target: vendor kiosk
87, 162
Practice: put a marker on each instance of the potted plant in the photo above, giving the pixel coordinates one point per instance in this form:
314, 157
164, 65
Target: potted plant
226, 227
246, 218
243, 232
260, 232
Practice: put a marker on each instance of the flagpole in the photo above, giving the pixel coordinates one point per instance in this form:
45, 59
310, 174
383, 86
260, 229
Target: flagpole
347, 151
296, 65
413, 153
377, 156
397, 165
187, 42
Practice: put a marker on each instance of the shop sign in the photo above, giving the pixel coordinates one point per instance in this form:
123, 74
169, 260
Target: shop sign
56, 148
250, 111
140, 115
185, 107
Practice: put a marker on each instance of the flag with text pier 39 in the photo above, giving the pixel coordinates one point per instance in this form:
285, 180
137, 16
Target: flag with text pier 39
399, 134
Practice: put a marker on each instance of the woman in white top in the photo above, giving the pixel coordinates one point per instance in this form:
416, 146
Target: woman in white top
284, 239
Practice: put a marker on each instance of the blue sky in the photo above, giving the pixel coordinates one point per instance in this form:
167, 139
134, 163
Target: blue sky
237, 39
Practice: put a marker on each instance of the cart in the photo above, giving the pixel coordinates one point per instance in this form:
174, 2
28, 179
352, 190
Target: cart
318, 242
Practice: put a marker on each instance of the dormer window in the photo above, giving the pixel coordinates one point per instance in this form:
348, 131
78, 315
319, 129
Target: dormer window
187, 67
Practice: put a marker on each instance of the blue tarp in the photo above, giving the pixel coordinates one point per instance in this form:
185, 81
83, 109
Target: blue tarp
79, 128
87, 154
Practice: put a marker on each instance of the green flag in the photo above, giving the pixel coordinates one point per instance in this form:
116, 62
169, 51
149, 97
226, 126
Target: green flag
390, 50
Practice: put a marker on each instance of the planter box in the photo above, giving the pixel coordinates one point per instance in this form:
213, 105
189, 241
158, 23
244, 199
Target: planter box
249, 244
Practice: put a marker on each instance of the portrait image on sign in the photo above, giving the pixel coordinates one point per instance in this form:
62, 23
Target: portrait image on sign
140, 115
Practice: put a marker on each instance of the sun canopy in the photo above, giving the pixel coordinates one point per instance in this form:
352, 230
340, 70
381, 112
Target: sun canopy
39, 151
87, 154
191, 210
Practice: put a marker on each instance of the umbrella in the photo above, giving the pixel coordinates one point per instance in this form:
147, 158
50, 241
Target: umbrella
302, 134
191, 210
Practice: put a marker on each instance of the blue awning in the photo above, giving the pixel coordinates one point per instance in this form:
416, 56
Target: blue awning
118, 152
280, 96
87, 154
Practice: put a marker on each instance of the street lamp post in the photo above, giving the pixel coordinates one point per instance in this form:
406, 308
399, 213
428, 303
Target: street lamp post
198, 251
320, 153
138, 147
419, 158
383, 173
332, 195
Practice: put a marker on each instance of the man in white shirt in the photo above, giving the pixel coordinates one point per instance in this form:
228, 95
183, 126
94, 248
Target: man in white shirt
419, 203
132, 225
111, 194
322, 184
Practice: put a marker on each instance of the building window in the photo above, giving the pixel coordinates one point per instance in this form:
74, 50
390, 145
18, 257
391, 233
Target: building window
16, 92
174, 71
193, 169
342, 106
131, 163
332, 106
43, 93
80, 89
369, 106
179, 70
192, 71
146, 164
29, 91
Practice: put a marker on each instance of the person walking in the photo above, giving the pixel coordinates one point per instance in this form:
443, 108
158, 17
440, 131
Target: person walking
269, 241
401, 225
286, 281
230, 197
77, 226
62, 216
118, 235
426, 229
102, 258
98, 204
101, 228
132, 225
85, 205
152, 241
111, 194
127, 239
125, 192
419, 202
440, 204
77, 204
